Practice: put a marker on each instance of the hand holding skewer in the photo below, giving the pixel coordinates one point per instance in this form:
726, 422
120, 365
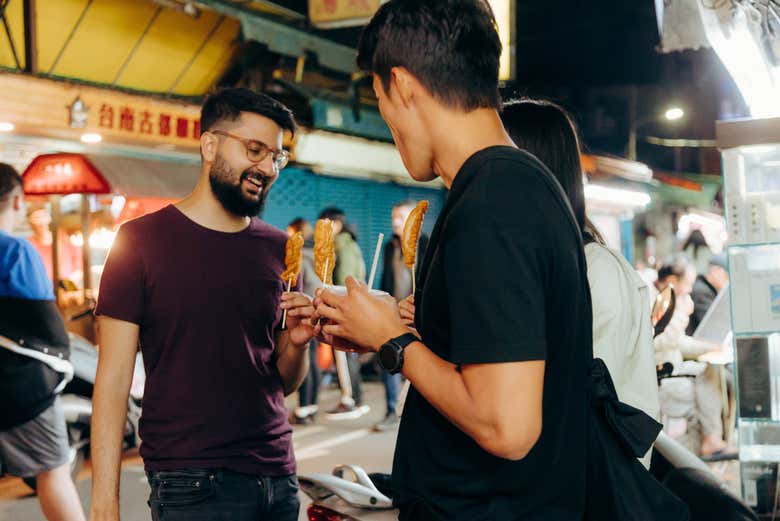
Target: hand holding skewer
292, 259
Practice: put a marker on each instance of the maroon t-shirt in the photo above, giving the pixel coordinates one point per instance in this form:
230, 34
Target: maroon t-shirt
207, 304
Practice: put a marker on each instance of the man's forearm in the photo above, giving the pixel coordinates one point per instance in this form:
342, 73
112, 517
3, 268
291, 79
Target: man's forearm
108, 423
444, 386
292, 362
118, 347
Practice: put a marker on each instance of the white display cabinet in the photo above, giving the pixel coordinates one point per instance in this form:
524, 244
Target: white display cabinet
751, 180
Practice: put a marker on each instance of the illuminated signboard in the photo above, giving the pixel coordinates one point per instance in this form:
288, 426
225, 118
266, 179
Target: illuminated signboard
67, 111
330, 14
53, 174
504, 10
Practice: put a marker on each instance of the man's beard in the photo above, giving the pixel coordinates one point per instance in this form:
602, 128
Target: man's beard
229, 193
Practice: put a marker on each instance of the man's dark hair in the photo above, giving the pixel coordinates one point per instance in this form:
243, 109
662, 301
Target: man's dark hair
676, 265
334, 214
697, 240
228, 104
297, 224
9, 180
451, 46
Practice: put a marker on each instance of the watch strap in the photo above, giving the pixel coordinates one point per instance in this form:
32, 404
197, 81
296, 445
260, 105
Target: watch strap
404, 340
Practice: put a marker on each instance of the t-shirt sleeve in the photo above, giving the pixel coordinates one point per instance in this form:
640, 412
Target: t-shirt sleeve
495, 270
27, 276
122, 283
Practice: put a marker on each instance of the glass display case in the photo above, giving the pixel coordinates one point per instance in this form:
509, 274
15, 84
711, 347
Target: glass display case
751, 174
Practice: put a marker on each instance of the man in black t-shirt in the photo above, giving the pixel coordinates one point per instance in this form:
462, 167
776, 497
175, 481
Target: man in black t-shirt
495, 425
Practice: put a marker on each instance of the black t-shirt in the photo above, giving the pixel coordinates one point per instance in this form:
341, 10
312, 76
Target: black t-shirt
503, 281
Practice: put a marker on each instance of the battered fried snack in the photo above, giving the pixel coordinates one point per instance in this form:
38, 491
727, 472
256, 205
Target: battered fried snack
411, 236
292, 258
324, 250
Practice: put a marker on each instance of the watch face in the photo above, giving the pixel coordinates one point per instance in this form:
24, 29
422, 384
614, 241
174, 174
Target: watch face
388, 356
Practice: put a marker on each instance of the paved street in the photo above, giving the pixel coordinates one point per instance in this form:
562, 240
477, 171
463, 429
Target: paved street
319, 447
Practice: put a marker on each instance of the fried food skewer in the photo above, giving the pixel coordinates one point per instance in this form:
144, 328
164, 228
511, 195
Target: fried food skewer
324, 251
411, 239
292, 259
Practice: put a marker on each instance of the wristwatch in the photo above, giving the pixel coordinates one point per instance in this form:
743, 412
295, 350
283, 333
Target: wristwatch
391, 354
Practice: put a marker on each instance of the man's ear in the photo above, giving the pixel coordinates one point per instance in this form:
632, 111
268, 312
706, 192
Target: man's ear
209, 144
403, 85
18, 202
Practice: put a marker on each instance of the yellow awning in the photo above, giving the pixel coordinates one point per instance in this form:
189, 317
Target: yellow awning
131, 44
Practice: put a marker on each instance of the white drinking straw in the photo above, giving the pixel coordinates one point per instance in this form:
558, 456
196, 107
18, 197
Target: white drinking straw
376, 260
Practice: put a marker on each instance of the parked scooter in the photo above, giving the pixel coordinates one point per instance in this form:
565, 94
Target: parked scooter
349, 494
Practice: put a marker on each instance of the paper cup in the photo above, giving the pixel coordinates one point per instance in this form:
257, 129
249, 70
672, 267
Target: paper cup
342, 291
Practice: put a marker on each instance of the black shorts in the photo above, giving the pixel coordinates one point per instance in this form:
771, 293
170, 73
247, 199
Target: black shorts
37, 446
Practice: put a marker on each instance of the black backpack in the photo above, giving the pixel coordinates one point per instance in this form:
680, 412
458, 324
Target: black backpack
28, 385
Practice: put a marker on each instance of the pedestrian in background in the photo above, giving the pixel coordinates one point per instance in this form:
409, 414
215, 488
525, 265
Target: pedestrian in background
397, 281
33, 434
349, 263
308, 394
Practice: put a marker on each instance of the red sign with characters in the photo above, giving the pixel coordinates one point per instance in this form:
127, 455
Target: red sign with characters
60, 174
347, 12
127, 119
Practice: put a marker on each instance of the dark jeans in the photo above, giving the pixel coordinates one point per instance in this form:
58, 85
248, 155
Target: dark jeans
206, 495
309, 392
392, 389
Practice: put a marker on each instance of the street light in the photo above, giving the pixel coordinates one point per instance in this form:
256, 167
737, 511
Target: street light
674, 113
91, 138
671, 114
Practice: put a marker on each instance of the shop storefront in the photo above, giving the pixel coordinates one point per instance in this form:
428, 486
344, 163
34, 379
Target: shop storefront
94, 158
616, 192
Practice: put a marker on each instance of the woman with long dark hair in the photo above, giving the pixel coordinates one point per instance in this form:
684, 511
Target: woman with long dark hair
622, 334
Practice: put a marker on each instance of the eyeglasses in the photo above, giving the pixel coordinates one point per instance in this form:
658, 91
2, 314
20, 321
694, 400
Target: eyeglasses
257, 151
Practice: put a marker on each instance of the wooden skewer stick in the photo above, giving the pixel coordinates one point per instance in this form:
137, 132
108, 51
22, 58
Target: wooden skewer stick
414, 277
284, 315
324, 283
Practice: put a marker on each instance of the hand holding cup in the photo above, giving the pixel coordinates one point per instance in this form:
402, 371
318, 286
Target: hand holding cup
359, 320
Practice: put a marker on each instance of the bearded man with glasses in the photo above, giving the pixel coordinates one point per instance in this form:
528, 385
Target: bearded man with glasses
198, 286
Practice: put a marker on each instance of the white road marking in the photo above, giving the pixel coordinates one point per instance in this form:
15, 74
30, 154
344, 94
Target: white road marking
302, 432
319, 449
